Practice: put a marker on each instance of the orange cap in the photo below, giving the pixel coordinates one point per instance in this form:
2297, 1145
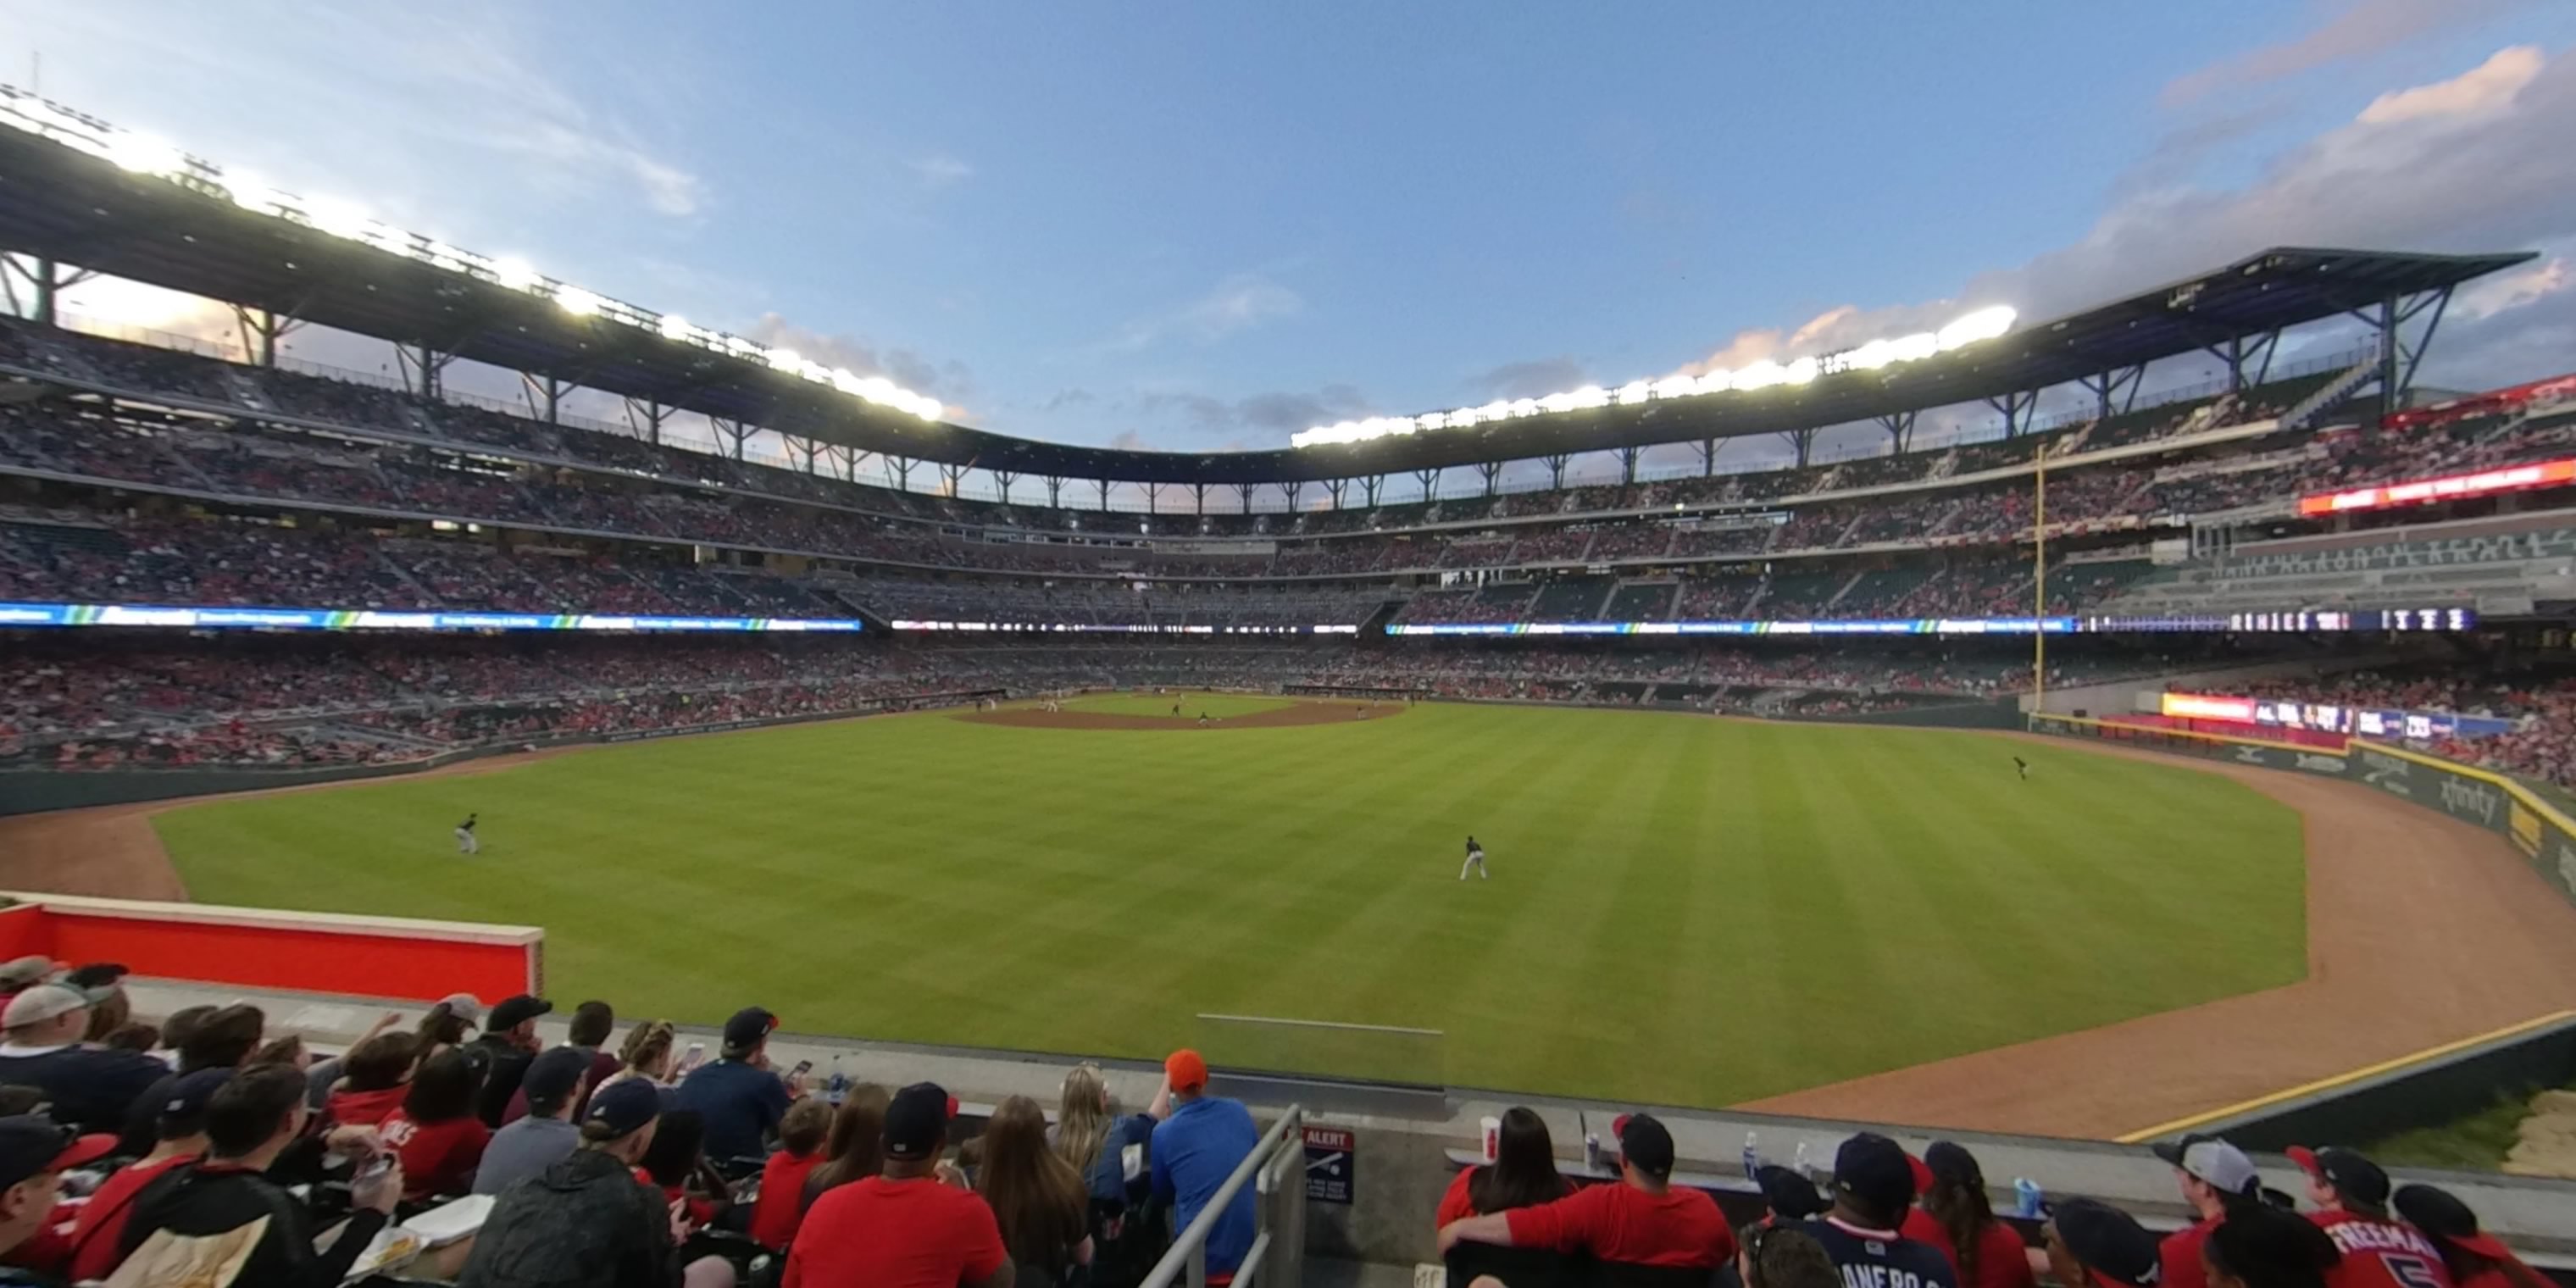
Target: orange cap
1185, 1070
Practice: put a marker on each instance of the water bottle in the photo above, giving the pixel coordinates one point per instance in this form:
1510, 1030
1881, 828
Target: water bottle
1752, 1155
1800, 1162
838, 1085
2026, 1198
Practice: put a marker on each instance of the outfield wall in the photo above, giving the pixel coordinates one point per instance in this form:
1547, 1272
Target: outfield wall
2538, 831
35, 791
313, 952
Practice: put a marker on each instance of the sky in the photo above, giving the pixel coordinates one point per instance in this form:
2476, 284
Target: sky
1195, 227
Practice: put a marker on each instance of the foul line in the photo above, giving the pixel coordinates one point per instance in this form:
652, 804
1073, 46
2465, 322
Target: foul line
2327, 1084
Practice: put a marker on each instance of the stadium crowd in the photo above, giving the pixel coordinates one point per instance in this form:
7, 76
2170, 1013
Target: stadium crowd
306, 440
142, 1153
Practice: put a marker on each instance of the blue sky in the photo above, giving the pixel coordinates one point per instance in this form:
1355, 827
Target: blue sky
1195, 226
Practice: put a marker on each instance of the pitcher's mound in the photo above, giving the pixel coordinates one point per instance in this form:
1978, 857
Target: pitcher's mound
1319, 712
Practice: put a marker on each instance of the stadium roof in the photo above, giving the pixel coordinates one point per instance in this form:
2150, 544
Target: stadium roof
81, 209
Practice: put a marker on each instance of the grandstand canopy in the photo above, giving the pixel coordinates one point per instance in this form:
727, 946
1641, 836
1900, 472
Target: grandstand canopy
77, 209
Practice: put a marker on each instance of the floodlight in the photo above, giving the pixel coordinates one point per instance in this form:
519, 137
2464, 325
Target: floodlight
1870, 356
1430, 420
1800, 372
845, 380
143, 154
1495, 410
1684, 386
1635, 391
1915, 347
783, 359
1713, 382
514, 274
1761, 375
1463, 418
927, 407
1588, 397
1984, 324
338, 218
1556, 403
674, 327
576, 301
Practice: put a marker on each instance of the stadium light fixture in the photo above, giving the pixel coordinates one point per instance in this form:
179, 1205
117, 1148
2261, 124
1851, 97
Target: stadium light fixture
674, 327
1971, 328
515, 274
141, 153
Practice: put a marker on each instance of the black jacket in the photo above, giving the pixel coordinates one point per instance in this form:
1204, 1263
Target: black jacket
585, 1222
504, 1066
207, 1200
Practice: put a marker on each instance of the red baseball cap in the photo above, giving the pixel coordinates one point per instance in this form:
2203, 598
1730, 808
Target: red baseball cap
1185, 1070
1922, 1174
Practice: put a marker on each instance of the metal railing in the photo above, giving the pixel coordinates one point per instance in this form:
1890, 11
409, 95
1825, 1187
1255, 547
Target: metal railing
1277, 1169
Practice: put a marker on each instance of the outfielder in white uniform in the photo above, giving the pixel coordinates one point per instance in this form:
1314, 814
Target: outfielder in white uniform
465, 842
1475, 861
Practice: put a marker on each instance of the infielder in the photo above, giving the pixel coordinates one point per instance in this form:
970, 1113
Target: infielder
465, 842
1475, 861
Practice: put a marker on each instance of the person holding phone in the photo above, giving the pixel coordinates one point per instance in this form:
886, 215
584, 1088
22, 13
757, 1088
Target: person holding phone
739, 1097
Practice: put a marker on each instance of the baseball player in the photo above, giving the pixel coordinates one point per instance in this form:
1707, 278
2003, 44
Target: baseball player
1475, 861
465, 842
2023, 766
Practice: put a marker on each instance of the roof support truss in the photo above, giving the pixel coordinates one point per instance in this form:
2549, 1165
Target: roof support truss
2398, 355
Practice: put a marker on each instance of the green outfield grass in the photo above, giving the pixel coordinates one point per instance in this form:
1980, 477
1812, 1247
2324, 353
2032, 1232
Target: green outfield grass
1220, 705
1682, 909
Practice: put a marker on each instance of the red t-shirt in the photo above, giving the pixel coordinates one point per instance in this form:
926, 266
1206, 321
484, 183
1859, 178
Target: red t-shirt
1619, 1222
895, 1234
364, 1108
437, 1158
101, 1221
2380, 1254
782, 1198
1458, 1204
2178, 1257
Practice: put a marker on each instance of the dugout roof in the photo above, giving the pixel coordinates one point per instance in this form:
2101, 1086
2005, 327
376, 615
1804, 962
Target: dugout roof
82, 210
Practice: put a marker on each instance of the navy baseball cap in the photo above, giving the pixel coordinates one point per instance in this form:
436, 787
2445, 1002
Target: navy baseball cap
2353, 1176
1792, 1197
1645, 1143
623, 1108
916, 1120
2110, 1242
747, 1027
183, 1112
555, 1075
32, 1144
516, 1010
1875, 1170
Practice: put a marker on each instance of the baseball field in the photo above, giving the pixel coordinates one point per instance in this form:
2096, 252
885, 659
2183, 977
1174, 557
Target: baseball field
1681, 910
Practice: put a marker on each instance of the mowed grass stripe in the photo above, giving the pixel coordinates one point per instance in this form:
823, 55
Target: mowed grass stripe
1682, 909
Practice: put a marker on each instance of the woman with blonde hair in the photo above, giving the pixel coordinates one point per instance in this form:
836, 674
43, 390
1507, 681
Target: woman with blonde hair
647, 1054
1091, 1136
1037, 1198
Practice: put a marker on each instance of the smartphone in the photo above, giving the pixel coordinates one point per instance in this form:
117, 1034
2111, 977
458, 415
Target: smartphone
376, 1166
802, 1068
697, 1052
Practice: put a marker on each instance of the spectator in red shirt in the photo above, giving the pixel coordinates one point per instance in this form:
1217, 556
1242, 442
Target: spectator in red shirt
2216, 1179
2264, 1247
1523, 1173
1640, 1220
2475, 1259
910, 1227
782, 1179
376, 1076
182, 1138
2351, 1194
1985, 1252
436, 1133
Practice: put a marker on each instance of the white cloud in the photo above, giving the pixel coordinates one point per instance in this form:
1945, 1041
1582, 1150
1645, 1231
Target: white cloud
939, 170
1239, 303
2362, 29
2481, 91
2474, 162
